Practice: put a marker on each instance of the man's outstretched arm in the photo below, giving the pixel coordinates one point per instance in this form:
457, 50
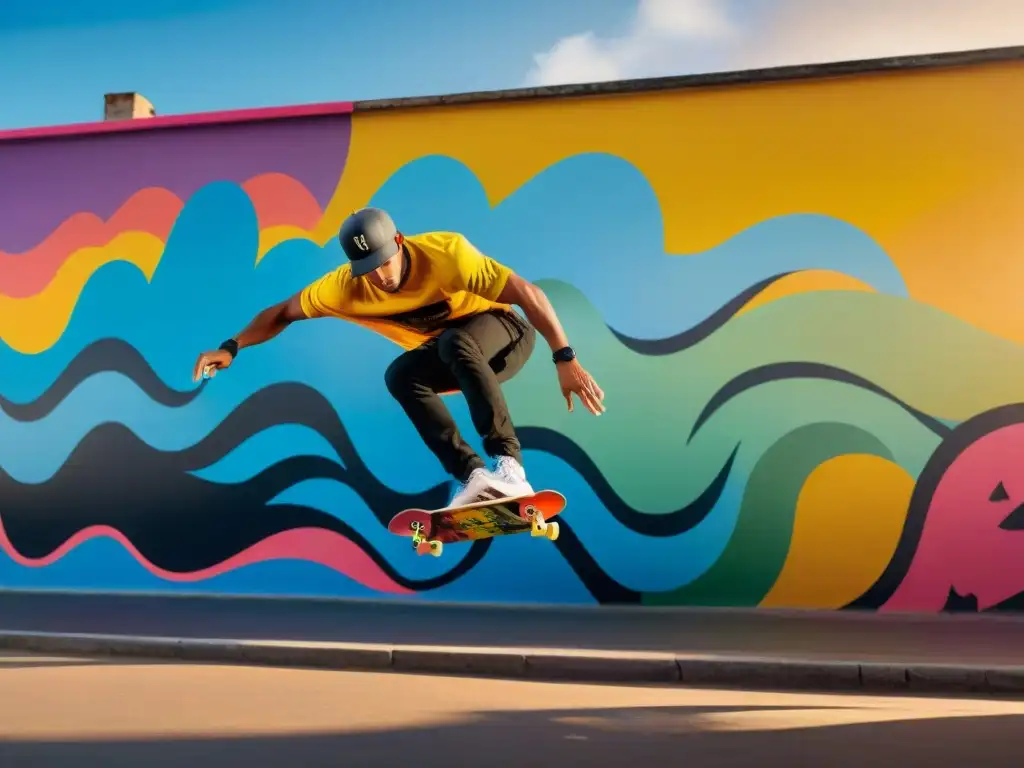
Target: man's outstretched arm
265, 326
538, 310
270, 322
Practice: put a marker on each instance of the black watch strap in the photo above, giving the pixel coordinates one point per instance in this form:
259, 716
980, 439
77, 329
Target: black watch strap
563, 355
231, 347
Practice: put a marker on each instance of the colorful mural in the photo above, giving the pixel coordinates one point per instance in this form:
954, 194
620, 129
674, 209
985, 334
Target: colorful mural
801, 299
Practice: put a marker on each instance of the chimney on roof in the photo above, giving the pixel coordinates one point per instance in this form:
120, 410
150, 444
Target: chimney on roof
127, 106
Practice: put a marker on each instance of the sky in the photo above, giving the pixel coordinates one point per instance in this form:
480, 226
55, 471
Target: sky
58, 57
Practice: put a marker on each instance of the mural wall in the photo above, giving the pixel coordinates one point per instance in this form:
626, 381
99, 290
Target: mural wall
802, 300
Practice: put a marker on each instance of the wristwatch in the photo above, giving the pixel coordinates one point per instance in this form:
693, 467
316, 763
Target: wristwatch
563, 355
231, 347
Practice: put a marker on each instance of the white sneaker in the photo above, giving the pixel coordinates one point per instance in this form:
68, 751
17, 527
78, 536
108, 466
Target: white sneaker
512, 473
511, 477
484, 485
475, 489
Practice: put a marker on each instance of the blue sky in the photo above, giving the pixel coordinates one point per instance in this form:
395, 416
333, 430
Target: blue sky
198, 55
58, 57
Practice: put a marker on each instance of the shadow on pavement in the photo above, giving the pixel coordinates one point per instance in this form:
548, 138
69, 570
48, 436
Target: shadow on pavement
723, 737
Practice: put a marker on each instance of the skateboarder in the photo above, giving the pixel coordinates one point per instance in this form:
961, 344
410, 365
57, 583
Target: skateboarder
450, 307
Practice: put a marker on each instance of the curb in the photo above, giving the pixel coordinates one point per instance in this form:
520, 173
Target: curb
548, 665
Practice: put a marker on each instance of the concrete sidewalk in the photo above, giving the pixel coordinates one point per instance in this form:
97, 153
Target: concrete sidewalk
724, 647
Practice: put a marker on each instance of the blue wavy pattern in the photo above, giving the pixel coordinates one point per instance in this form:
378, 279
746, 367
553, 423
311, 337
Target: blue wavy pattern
591, 222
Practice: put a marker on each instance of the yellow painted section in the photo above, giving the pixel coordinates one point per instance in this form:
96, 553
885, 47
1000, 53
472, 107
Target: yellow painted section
906, 157
942, 216
849, 517
32, 324
272, 236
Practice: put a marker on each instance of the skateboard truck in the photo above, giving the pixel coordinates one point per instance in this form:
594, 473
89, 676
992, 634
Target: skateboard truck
419, 539
538, 526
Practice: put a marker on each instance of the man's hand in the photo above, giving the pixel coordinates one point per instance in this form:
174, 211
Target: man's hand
573, 379
541, 315
210, 363
265, 326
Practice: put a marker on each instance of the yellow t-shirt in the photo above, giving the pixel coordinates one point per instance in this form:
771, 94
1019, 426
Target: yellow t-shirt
448, 280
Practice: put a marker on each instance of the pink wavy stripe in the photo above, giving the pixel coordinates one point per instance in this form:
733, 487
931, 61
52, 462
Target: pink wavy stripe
311, 544
279, 200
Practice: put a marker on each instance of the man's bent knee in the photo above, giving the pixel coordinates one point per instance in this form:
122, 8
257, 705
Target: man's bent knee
455, 345
398, 376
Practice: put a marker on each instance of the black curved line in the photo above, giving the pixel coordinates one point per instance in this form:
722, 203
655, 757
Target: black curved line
602, 587
703, 329
113, 477
655, 525
177, 521
104, 355
958, 440
765, 374
292, 403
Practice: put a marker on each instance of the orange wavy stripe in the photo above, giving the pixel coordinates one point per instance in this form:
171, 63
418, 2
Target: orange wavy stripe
151, 210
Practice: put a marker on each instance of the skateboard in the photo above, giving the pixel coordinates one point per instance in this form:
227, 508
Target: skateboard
432, 529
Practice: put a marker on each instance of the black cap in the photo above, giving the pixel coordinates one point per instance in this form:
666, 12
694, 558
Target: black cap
368, 238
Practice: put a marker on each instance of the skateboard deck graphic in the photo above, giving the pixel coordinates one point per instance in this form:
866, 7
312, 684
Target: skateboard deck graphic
432, 529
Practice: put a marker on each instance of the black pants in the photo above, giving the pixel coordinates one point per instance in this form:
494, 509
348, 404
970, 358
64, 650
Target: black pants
475, 357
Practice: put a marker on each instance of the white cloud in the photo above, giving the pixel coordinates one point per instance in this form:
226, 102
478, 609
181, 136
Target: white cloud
669, 37
664, 34
682, 18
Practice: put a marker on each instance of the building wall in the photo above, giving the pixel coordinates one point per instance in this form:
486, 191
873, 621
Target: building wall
801, 299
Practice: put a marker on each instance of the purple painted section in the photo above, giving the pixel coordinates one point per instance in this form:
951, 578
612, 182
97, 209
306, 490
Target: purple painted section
44, 181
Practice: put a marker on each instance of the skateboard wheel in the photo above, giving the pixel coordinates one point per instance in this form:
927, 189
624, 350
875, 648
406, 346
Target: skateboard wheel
531, 512
435, 548
552, 531
537, 525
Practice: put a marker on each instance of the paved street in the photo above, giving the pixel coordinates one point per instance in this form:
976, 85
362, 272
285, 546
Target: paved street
111, 713
945, 638
58, 712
